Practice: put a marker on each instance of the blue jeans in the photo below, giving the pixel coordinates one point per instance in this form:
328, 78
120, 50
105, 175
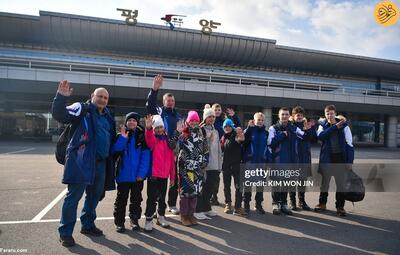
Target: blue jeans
71, 201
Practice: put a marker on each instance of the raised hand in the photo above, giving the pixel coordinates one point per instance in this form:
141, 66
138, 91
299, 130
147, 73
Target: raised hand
239, 134
340, 124
123, 131
309, 124
148, 121
251, 123
64, 88
180, 126
230, 112
157, 82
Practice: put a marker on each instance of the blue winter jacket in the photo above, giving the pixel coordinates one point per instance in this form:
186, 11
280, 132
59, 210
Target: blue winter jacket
304, 143
169, 116
255, 148
283, 148
345, 140
135, 157
80, 163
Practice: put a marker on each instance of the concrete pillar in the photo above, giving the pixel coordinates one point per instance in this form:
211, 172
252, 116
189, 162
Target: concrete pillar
391, 131
268, 116
240, 115
398, 133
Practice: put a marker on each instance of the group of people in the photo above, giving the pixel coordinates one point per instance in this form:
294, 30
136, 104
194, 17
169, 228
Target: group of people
184, 156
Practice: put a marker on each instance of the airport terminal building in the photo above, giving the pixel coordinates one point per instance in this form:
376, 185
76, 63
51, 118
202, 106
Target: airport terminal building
246, 73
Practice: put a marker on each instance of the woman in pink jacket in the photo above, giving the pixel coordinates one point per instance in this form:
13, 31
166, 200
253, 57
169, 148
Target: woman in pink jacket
163, 167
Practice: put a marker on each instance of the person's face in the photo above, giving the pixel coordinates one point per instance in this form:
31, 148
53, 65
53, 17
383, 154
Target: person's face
259, 121
284, 116
217, 111
227, 129
131, 124
193, 124
298, 117
169, 102
159, 130
330, 115
100, 99
210, 120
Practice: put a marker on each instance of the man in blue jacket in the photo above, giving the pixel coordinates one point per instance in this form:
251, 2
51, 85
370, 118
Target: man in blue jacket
88, 164
282, 142
255, 152
133, 166
337, 154
170, 118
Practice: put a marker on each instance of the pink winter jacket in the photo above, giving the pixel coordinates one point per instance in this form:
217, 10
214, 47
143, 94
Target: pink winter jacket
163, 157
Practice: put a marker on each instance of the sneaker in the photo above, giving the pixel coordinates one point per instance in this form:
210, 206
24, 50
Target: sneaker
247, 208
341, 212
285, 209
293, 206
304, 206
162, 222
228, 208
260, 209
240, 212
148, 225
320, 207
201, 216
120, 229
92, 231
185, 221
135, 224
211, 213
276, 209
173, 209
67, 241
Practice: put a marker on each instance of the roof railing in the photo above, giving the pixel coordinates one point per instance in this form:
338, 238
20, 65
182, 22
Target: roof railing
198, 76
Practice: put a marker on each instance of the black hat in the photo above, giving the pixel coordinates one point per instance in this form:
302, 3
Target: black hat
133, 115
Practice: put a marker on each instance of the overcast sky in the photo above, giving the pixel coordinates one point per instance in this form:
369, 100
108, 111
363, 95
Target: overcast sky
338, 26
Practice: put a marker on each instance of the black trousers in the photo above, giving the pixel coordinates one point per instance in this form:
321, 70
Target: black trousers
135, 209
173, 190
203, 201
279, 196
301, 192
338, 172
259, 198
229, 172
156, 192
214, 196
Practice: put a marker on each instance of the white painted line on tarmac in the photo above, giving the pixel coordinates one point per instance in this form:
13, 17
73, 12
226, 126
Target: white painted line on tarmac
58, 220
19, 151
49, 206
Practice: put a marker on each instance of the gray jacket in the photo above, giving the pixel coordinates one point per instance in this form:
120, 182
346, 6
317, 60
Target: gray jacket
214, 147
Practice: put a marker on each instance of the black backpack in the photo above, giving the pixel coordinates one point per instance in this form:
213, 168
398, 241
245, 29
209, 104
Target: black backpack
65, 138
354, 187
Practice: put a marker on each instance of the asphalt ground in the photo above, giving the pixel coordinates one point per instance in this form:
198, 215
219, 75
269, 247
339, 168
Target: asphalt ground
31, 196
